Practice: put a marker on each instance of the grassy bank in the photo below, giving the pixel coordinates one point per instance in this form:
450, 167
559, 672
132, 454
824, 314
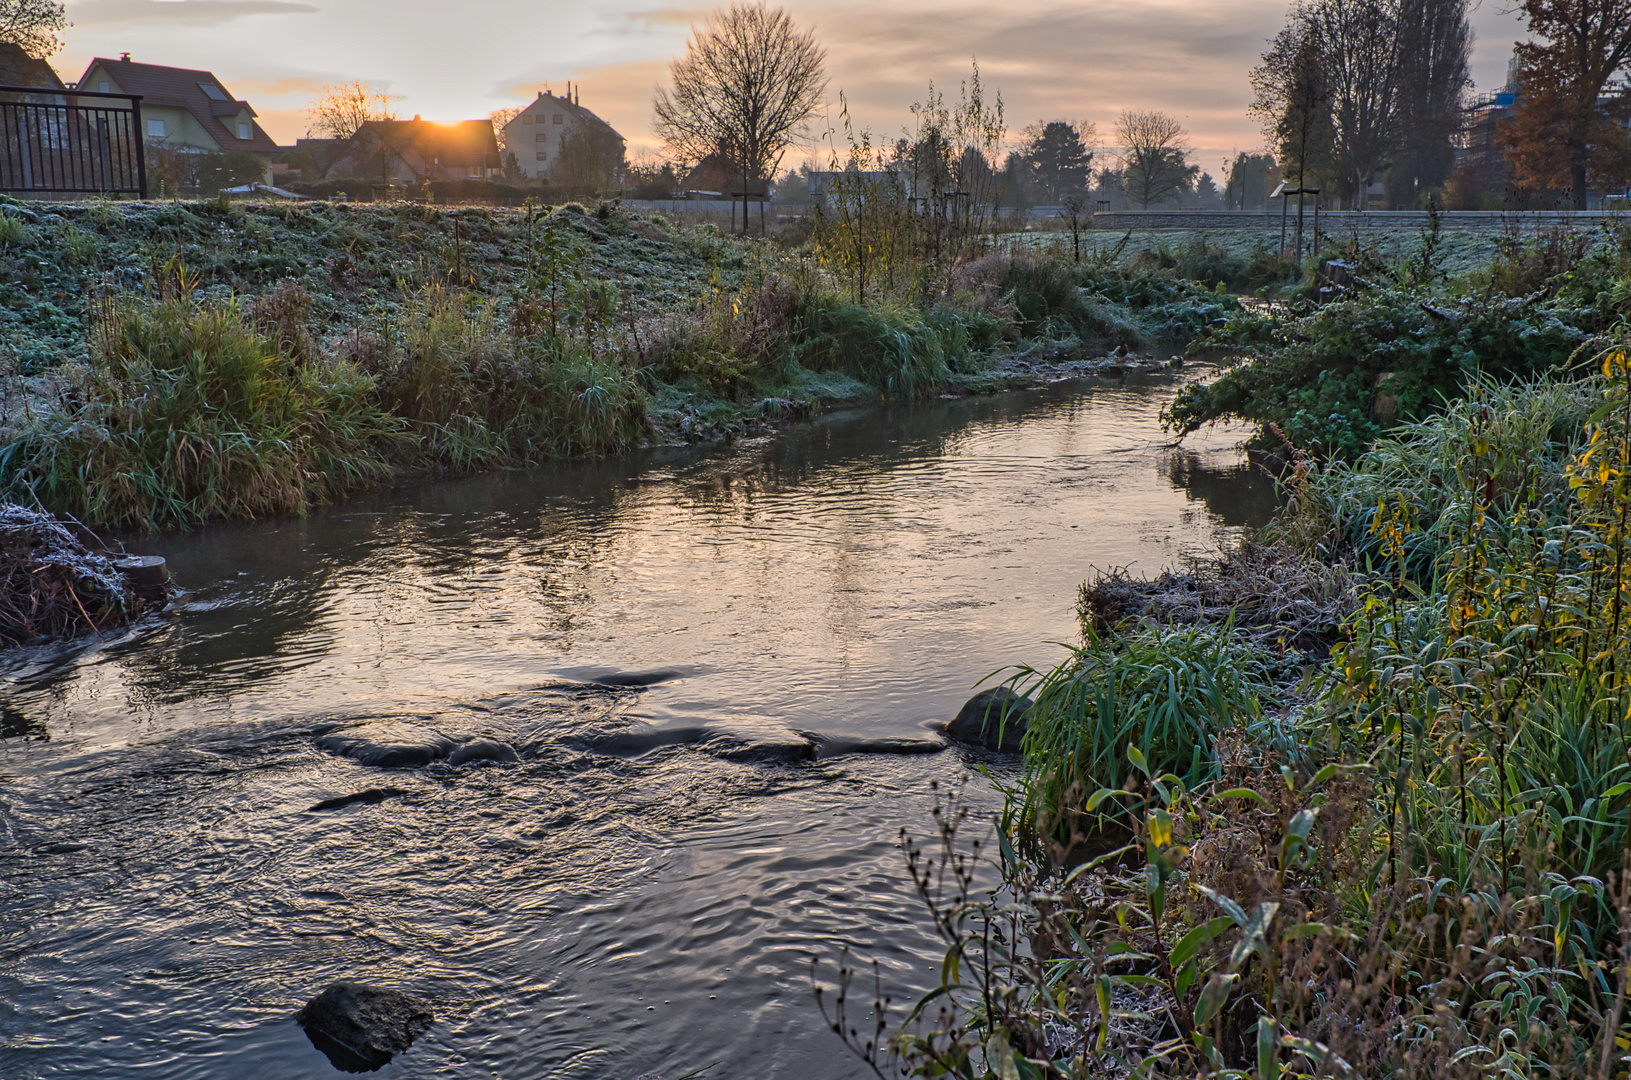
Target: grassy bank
171, 363
1352, 801
1406, 334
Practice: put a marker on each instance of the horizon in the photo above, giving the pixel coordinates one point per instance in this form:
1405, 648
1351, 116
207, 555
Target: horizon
1050, 61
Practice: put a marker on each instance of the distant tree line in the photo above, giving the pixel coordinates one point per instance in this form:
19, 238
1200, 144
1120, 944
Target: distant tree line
1361, 98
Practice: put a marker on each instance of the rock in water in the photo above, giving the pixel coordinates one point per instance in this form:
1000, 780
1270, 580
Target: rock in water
362, 1027
994, 719
483, 750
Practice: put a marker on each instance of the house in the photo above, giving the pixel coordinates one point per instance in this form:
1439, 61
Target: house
184, 109
415, 151
558, 141
17, 68
718, 177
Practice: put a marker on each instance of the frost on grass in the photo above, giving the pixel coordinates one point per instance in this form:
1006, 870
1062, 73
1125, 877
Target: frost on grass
53, 586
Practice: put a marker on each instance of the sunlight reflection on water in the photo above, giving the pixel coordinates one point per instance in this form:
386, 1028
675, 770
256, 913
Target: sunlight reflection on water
170, 901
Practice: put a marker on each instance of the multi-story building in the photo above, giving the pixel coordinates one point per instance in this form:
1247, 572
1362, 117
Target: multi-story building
557, 140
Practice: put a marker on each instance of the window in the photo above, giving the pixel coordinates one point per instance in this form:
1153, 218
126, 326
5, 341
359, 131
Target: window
102, 87
213, 92
155, 129
559, 119
244, 131
542, 156
526, 119
541, 137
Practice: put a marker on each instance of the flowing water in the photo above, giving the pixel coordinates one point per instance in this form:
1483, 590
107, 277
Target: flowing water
641, 892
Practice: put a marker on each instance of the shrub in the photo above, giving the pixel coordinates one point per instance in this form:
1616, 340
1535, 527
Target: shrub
189, 414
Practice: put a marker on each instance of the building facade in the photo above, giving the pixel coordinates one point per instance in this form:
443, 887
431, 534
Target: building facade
557, 140
184, 109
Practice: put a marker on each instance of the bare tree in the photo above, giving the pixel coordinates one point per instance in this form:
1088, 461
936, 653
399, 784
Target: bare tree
1360, 40
1155, 160
949, 156
747, 83
501, 119
35, 25
1293, 101
345, 108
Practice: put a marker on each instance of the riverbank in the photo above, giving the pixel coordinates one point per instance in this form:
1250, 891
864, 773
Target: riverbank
1352, 800
175, 363
577, 914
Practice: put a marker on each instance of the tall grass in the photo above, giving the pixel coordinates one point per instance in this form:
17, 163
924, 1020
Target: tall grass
478, 393
1170, 692
188, 413
192, 410
1435, 884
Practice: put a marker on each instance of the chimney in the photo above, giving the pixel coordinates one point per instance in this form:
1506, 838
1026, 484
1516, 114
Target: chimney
540, 95
416, 116
125, 57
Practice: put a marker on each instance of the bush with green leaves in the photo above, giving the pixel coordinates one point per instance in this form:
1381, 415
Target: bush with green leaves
1415, 867
1318, 374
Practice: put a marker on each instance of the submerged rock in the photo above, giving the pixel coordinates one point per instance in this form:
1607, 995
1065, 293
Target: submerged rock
483, 750
400, 748
360, 1027
631, 679
369, 798
994, 719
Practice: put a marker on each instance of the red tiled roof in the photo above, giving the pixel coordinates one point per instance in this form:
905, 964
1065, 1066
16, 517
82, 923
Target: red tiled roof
184, 88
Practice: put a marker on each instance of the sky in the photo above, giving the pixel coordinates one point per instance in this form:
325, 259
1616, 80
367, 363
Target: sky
1084, 61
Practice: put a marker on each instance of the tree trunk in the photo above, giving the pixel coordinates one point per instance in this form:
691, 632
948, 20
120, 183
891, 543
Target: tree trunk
1577, 178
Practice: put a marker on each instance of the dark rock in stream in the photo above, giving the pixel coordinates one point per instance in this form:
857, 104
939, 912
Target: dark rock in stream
370, 797
483, 750
404, 748
994, 719
636, 678
360, 1027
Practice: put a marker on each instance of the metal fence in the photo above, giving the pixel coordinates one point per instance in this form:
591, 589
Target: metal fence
71, 143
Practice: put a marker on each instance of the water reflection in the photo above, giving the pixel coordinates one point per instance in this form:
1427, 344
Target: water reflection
1239, 493
573, 913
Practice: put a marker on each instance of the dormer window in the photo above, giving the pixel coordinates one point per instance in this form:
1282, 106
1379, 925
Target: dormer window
244, 131
213, 92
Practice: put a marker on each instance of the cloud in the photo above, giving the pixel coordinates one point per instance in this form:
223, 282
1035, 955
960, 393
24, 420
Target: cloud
111, 14
287, 86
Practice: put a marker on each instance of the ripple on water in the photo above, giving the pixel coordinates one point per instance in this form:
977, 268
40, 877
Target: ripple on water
187, 854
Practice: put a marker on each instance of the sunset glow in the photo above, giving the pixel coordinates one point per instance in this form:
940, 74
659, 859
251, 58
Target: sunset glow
1050, 60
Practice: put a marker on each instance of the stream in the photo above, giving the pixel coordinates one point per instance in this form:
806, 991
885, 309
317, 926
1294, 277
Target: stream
711, 676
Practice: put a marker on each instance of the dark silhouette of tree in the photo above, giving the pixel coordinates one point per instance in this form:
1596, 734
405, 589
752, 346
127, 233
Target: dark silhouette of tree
345, 108
1155, 160
1057, 160
593, 157
1434, 43
1360, 51
1569, 131
1293, 102
747, 83
1248, 185
35, 25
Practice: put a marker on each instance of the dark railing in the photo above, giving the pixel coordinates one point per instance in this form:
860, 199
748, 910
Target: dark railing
71, 143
